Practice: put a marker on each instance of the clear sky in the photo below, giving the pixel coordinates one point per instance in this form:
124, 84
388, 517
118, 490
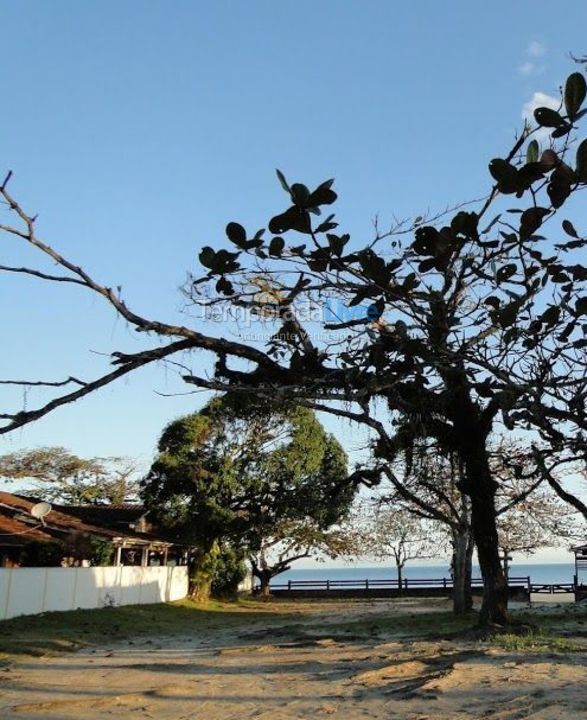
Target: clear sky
137, 129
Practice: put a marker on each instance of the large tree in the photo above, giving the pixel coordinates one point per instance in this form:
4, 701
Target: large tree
471, 320
244, 473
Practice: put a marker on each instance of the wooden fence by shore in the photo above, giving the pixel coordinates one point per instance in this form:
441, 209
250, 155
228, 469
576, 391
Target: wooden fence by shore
389, 587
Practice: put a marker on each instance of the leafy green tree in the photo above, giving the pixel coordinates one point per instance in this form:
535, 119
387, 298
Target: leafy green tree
57, 475
463, 323
229, 571
234, 471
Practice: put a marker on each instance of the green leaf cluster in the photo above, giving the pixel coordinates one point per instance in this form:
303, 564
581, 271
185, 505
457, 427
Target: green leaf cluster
233, 470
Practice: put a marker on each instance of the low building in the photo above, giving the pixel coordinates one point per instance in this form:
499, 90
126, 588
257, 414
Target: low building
81, 535
580, 572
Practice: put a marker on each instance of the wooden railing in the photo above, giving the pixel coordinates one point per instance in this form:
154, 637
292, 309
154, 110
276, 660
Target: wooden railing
522, 582
552, 588
368, 584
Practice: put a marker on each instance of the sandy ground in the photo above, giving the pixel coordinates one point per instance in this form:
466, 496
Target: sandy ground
307, 669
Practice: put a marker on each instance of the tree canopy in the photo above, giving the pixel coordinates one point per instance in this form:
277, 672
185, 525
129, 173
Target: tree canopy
247, 473
57, 475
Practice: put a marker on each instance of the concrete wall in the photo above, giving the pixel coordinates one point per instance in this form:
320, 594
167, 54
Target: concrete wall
30, 591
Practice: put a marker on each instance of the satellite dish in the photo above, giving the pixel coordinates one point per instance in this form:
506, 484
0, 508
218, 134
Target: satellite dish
40, 511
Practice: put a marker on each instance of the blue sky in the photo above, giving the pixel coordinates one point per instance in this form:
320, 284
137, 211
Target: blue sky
138, 129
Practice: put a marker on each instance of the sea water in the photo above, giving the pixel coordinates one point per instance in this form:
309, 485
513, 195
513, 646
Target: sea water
547, 573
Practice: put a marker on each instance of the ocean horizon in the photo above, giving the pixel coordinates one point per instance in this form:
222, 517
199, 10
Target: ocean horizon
547, 573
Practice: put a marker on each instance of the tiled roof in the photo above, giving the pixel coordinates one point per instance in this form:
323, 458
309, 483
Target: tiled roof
115, 517
15, 515
16, 534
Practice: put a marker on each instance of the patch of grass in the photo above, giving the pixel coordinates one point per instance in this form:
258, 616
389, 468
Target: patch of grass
536, 641
567, 620
566, 613
65, 631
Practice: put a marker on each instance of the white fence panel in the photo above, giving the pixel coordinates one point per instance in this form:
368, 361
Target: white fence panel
86, 587
25, 593
109, 589
153, 586
59, 589
130, 584
4, 589
178, 583
29, 591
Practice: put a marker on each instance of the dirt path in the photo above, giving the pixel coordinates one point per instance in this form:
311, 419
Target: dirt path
309, 669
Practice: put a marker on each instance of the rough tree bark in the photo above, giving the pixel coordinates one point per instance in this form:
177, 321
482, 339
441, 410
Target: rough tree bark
462, 560
202, 572
263, 575
471, 429
481, 488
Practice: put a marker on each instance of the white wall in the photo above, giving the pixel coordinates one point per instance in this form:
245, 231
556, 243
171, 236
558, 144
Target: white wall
30, 591
245, 585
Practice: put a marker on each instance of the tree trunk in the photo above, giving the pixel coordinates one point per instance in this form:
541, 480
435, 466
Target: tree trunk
201, 583
481, 488
265, 580
202, 572
506, 563
471, 429
264, 573
462, 558
400, 581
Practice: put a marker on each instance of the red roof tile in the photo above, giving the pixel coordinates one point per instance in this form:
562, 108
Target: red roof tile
58, 523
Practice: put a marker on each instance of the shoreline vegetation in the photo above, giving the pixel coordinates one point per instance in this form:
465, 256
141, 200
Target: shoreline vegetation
303, 658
